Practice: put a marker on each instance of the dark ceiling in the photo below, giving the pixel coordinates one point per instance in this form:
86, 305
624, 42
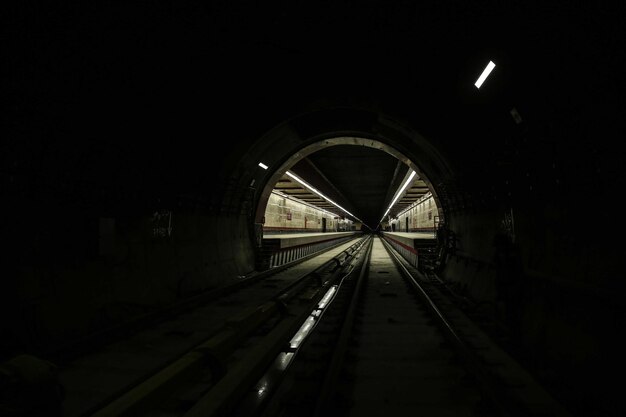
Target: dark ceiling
557, 63
123, 105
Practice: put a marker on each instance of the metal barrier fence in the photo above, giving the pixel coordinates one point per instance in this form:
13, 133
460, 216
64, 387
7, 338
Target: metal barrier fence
284, 256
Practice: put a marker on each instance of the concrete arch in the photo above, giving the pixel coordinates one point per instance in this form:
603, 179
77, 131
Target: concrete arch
287, 143
325, 143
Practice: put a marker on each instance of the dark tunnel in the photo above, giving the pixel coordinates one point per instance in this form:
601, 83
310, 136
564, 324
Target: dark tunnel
132, 135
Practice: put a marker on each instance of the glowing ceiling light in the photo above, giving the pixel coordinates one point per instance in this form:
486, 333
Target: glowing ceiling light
490, 66
321, 195
398, 194
262, 165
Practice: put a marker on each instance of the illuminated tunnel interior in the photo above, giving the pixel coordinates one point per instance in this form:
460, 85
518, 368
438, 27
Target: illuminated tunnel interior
361, 179
145, 144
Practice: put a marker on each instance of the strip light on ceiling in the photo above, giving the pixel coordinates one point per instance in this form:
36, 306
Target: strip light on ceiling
398, 194
490, 66
262, 165
321, 195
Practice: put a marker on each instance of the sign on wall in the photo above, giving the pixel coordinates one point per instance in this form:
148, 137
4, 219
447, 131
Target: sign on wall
162, 223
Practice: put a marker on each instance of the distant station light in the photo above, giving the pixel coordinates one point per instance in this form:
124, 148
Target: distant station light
398, 194
490, 66
262, 165
311, 188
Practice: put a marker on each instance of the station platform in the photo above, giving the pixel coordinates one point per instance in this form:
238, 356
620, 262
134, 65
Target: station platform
280, 249
412, 245
413, 239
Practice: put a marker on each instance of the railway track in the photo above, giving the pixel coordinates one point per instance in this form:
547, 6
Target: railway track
392, 344
354, 332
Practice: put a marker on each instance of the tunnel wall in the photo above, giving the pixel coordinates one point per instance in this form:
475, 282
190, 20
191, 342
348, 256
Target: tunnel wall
422, 217
285, 215
539, 254
92, 273
547, 308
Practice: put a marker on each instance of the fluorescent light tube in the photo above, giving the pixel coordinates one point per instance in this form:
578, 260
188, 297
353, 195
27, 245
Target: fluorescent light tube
490, 66
398, 194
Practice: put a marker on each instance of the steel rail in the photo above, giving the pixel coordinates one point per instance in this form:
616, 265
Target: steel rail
487, 383
331, 376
